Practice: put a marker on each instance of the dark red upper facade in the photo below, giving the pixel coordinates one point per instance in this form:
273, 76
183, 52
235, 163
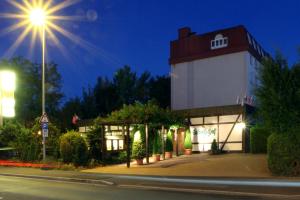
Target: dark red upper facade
189, 46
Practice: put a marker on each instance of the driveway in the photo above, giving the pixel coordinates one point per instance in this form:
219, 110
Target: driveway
199, 165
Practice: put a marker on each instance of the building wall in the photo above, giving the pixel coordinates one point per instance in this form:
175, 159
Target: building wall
209, 82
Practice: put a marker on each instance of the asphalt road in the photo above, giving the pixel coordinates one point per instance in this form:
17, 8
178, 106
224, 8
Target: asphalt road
13, 188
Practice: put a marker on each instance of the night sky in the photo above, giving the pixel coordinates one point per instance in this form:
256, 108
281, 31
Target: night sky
138, 32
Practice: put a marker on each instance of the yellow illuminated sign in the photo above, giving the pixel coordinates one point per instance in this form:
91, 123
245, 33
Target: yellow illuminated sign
7, 89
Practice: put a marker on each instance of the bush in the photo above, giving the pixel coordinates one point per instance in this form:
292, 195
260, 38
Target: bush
26, 143
157, 144
284, 154
8, 133
52, 141
73, 149
214, 147
94, 141
169, 142
258, 139
188, 140
138, 150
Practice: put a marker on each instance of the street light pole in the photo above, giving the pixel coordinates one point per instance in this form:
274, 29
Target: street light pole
43, 87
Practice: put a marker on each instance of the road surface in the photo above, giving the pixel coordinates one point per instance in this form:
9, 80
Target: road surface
16, 188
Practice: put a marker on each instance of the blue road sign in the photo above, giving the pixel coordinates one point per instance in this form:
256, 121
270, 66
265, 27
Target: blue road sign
44, 125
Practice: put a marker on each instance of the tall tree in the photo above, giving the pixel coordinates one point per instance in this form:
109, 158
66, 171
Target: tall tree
160, 90
276, 95
125, 82
28, 92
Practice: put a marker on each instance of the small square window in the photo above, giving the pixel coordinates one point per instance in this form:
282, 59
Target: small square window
213, 43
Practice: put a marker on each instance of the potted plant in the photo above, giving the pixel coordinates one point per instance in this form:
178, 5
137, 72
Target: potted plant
156, 147
138, 148
169, 145
188, 143
214, 147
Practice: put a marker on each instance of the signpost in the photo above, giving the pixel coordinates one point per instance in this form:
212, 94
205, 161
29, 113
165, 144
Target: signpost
44, 125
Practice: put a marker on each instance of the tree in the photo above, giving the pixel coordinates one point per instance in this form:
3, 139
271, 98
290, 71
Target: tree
125, 83
71, 107
276, 96
29, 89
160, 90
105, 96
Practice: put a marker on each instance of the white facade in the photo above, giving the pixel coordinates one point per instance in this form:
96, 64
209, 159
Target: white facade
214, 81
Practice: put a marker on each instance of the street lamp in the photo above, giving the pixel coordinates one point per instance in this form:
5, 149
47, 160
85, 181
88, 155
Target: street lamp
38, 19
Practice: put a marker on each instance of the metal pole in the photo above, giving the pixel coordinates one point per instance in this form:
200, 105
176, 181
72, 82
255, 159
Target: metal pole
43, 88
176, 136
147, 143
128, 145
163, 141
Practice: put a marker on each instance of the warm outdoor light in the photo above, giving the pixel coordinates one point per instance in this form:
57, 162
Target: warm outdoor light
37, 17
7, 89
241, 125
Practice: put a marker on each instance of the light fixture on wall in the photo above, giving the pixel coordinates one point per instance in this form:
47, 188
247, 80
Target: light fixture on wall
241, 125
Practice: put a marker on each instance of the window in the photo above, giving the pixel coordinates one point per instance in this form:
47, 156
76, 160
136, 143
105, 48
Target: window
219, 42
213, 43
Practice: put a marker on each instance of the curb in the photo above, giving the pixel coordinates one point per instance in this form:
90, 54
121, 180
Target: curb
211, 192
64, 179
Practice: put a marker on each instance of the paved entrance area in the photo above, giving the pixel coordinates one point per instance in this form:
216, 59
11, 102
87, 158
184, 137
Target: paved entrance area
200, 165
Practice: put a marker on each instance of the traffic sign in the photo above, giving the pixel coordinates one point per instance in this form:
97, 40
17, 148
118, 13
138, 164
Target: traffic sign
45, 133
44, 118
44, 125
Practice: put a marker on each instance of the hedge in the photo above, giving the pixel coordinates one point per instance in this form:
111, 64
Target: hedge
73, 148
284, 154
258, 139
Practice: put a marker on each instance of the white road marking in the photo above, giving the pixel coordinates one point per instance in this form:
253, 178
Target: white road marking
270, 183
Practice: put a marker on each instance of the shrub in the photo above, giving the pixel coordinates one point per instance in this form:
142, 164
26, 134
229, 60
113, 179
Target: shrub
188, 140
52, 140
73, 148
138, 147
26, 143
258, 139
94, 141
138, 150
284, 154
214, 147
157, 144
169, 142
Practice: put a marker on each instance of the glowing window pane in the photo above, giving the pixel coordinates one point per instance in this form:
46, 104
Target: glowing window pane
121, 144
115, 144
108, 145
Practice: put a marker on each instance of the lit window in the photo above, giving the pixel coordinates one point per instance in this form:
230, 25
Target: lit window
115, 145
108, 145
121, 144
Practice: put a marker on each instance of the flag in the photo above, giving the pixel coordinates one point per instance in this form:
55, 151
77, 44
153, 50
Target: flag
75, 119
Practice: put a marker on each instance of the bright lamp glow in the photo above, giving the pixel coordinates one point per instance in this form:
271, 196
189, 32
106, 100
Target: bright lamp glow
7, 89
137, 136
8, 81
241, 125
37, 17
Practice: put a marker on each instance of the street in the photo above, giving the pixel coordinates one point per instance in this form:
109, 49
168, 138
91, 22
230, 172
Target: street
12, 188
